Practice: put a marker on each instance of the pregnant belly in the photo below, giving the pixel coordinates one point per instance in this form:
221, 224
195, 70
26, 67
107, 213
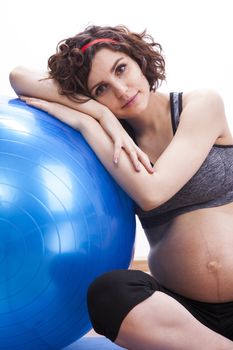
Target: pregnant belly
194, 255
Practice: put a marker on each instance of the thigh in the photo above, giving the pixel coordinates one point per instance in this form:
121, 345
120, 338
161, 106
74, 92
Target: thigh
161, 322
134, 298
216, 316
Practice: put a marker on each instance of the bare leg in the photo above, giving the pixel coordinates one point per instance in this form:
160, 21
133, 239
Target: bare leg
162, 323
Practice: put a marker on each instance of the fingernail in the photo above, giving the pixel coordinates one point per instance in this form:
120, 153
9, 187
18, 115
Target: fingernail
115, 160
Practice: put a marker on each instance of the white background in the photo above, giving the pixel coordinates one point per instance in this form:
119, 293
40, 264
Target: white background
196, 36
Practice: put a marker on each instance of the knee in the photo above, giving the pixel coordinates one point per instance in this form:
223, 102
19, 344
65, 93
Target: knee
102, 300
112, 295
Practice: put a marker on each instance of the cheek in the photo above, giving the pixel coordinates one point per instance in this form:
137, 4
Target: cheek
145, 82
139, 80
108, 101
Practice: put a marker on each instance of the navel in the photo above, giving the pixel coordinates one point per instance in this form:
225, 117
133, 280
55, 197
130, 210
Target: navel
213, 266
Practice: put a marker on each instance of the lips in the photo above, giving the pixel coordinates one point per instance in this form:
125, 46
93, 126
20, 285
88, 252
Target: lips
130, 101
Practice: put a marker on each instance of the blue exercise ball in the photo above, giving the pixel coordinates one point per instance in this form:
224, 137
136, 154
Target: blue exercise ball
63, 222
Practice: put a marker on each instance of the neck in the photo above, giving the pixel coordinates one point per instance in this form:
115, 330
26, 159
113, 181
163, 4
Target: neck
154, 118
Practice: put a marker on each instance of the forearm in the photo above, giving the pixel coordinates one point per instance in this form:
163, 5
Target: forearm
36, 84
125, 170
33, 83
134, 183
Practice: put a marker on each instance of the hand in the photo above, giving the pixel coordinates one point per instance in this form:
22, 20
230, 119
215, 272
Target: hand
117, 133
108, 121
122, 140
66, 114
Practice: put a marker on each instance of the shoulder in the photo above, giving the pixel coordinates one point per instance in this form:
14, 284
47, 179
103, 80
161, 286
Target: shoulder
203, 110
205, 98
204, 105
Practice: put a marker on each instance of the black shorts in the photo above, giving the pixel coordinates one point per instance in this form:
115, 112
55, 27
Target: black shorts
112, 295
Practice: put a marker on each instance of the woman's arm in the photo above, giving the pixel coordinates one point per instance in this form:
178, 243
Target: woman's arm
36, 84
32, 83
202, 122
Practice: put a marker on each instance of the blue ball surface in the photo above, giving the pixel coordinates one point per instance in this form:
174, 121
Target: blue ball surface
63, 222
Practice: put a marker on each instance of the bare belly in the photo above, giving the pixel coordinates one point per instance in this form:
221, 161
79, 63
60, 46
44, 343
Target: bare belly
193, 254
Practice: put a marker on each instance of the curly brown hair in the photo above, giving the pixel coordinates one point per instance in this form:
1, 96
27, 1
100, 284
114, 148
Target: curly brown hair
70, 67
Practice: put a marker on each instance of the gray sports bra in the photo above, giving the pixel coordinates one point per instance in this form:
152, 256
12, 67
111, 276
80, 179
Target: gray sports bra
211, 186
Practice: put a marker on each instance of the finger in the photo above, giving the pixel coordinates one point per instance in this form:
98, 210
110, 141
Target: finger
117, 151
144, 159
23, 98
134, 157
29, 100
35, 102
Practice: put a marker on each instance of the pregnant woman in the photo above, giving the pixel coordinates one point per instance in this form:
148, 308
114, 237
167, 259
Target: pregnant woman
175, 161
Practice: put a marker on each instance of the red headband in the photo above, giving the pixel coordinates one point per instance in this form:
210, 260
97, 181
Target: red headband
101, 40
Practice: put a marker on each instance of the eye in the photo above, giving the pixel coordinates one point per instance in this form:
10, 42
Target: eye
121, 68
100, 90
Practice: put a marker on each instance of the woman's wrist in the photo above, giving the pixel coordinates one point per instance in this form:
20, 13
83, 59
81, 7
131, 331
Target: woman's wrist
106, 113
85, 123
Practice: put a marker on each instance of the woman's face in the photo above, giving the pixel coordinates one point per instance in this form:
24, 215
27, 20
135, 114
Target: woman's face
116, 81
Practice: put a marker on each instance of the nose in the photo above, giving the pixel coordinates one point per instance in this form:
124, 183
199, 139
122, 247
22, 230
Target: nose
120, 89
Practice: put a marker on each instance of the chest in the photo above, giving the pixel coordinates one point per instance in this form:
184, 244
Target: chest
211, 186
154, 144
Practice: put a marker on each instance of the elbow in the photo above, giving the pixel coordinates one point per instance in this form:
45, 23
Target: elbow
148, 203
152, 200
14, 73
15, 77
145, 206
